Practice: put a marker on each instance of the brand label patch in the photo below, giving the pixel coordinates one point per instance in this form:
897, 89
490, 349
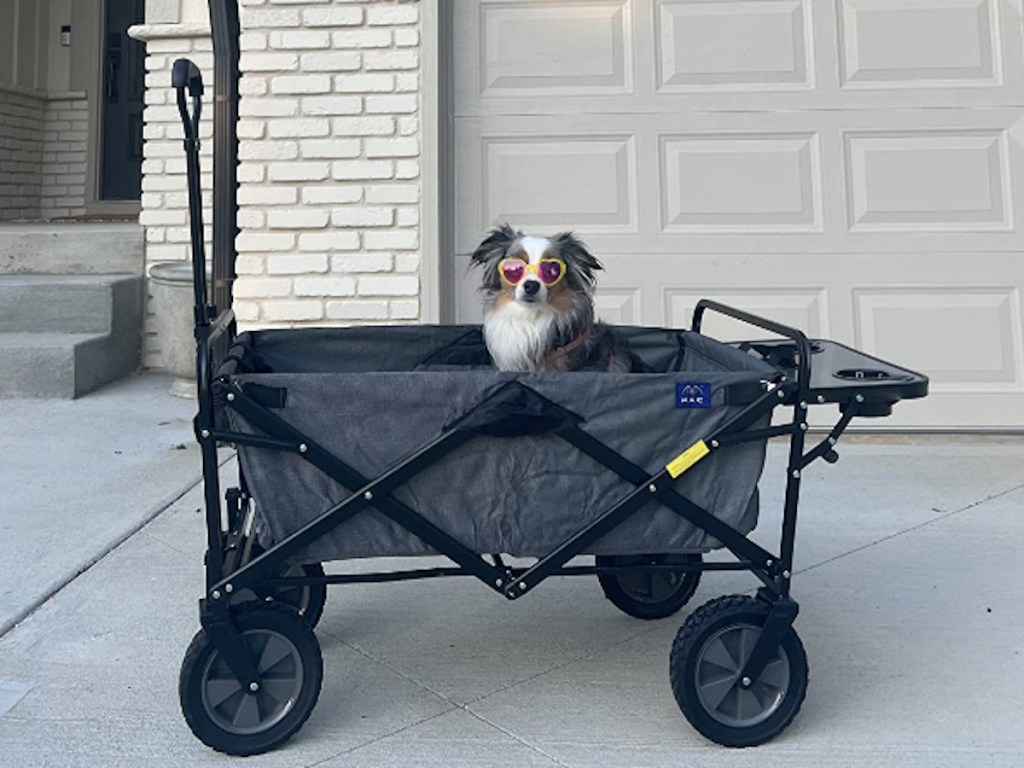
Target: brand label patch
691, 394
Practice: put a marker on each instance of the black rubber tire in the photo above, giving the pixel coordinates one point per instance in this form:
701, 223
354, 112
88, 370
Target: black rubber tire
778, 692
298, 674
307, 601
654, 595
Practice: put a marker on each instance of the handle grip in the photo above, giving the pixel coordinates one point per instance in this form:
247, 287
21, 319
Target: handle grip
185, 74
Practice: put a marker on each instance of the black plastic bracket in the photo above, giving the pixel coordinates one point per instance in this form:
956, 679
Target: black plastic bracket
781, 618
216, 621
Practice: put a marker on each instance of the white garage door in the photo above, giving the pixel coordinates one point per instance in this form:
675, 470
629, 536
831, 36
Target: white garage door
852, 167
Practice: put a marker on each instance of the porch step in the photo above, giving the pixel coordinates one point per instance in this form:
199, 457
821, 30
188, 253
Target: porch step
65, 335
65, 303
72, 248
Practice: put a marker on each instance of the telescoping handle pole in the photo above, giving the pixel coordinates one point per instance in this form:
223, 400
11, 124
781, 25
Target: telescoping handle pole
185, 76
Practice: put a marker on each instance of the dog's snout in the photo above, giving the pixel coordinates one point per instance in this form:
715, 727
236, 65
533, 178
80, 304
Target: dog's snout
530, 287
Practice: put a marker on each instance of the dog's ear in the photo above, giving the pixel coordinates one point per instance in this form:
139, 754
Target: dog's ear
577, 257
495, 245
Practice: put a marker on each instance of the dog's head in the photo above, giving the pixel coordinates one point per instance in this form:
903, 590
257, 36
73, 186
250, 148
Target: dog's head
536, 272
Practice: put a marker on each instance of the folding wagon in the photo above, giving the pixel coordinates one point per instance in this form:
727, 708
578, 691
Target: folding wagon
385, 441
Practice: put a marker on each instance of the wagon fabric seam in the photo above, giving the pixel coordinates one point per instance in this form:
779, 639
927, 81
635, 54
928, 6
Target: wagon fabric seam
925, 524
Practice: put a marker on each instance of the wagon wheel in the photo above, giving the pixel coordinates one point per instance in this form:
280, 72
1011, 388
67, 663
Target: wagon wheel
308, 600
648, 594
226, 714
707, 657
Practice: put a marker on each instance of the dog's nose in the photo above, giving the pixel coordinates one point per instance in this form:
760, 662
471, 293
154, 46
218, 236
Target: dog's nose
530, 287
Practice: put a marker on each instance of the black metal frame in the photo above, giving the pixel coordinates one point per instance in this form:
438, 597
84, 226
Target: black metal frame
229, 566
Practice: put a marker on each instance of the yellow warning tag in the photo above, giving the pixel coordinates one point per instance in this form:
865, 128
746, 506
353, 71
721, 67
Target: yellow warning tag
687, 458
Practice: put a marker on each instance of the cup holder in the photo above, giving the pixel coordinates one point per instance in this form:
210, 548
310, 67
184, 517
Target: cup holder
863, 374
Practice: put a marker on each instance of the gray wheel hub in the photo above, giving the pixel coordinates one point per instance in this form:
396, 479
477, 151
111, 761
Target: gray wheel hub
720, 688
237, 709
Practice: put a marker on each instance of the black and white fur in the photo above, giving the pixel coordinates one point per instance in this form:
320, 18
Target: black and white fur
531, 327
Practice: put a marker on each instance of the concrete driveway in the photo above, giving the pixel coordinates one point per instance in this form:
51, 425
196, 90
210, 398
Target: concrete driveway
910, 561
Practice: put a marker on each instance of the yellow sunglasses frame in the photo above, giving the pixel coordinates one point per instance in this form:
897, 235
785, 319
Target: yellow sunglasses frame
531, 268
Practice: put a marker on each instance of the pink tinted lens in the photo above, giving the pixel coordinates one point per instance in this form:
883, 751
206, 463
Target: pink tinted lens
549, 272
513, 270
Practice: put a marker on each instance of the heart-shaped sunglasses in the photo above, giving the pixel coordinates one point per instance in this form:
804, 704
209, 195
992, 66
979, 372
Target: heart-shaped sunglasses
548, 271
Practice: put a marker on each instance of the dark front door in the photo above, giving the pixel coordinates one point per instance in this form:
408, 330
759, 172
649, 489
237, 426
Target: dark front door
123, 88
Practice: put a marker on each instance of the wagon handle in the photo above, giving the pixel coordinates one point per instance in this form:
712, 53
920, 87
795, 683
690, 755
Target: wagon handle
802, 344
185, 75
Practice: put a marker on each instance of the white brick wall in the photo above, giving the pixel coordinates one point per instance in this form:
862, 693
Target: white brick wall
65, 143
329, 176
43, 142
164, 187
330, 156
21, 152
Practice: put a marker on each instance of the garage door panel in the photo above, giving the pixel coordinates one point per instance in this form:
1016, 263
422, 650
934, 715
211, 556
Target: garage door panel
819, 181
734, 45
804, 308
978, 330
555, 47
884, 44
621, 306
671, 56
755, 182
929, 180
586, 182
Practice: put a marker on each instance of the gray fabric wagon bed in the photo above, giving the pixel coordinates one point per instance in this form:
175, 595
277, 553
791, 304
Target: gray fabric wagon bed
373, 396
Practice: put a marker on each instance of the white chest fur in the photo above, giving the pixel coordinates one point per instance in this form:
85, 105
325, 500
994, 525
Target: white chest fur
519, 337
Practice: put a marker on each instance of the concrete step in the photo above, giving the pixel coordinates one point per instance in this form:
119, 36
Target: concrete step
72, 248
66, 303
63, 365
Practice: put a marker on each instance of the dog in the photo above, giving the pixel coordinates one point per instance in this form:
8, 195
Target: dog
539, 304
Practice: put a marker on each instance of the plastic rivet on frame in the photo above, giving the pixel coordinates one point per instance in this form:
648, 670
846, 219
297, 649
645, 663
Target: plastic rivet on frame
205, 433
254, 687
368, 495
231, 396
229, 588
652, 488
216, 594
821, 398
303, 448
